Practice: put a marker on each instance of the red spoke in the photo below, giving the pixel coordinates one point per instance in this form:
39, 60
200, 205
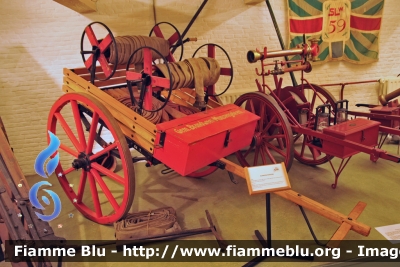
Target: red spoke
158, 32
174, 37
211, 51
271, 158
270, 137
92, 132
313, 101
107, 41
89, 62
81, 187
271, 121
131, 76
280, 142
104, 65
275, 149
170, 57
248, 151
263, 159
252, 108
68, 131
210, 89
160, 82
256, 152
68, 171
109, 173
95, 195
105, 189
261, 121
103, 151
297, 137
147, 59
78, 123
226, 71
69, 150
91, 36
313, 152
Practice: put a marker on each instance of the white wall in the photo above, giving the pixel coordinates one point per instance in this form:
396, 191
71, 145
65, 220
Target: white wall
40, 38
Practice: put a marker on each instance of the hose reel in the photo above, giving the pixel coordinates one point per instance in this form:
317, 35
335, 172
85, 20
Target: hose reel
112, 51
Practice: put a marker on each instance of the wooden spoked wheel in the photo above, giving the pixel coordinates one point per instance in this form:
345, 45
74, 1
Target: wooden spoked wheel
225, 80
88, 132
175, 40
316, 96
273, 138
97, 50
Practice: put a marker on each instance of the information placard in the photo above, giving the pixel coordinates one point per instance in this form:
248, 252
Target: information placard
267, 178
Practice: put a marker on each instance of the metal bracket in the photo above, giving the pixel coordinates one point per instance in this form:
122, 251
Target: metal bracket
232, 178
226, 142
162, 138
219, 164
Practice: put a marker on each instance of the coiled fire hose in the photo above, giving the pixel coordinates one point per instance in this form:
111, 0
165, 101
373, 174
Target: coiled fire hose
192, 73
126, 45
147, 223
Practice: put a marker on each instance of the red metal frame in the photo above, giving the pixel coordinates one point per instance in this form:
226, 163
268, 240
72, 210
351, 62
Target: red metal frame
374, 152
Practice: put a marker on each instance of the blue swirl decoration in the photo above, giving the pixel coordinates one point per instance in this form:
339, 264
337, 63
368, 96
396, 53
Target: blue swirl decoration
45, 154
33, 197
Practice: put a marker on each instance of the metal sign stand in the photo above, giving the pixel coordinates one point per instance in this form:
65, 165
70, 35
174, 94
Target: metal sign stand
268, 242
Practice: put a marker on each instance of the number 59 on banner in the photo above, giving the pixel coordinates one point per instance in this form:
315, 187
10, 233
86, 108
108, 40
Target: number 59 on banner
336, 21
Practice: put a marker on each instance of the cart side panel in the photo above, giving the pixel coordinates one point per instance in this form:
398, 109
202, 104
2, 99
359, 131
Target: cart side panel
359, 130
203, 138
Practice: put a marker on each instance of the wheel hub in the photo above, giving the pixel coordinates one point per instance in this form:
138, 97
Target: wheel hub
146, 79
82, 162
257, 139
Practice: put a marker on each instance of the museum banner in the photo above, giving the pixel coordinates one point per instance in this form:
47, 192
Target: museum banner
346, 29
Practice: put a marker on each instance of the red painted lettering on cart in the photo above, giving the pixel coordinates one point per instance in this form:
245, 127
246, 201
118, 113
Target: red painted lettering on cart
335, 11
190, 127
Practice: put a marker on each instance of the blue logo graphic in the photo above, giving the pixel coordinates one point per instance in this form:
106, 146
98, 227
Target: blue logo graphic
35, 202
50, 168
45, 154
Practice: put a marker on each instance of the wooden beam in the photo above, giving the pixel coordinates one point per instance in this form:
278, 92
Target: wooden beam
3, 128
344, 228
12, 167
80, 6
312, 205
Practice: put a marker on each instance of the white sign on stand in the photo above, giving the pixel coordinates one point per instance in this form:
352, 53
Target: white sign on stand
390, 232
267, 178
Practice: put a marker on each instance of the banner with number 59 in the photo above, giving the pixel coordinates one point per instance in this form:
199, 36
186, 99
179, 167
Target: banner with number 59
346, 29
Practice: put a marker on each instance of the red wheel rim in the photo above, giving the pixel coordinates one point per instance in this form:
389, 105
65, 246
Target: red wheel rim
273, 138
94, 193
318, 96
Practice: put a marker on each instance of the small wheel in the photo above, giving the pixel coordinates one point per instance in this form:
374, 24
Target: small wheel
98, 50
226, 71
302, 152
203, 172
273, 138
175, 40
146, 79
108, 195
333, 186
